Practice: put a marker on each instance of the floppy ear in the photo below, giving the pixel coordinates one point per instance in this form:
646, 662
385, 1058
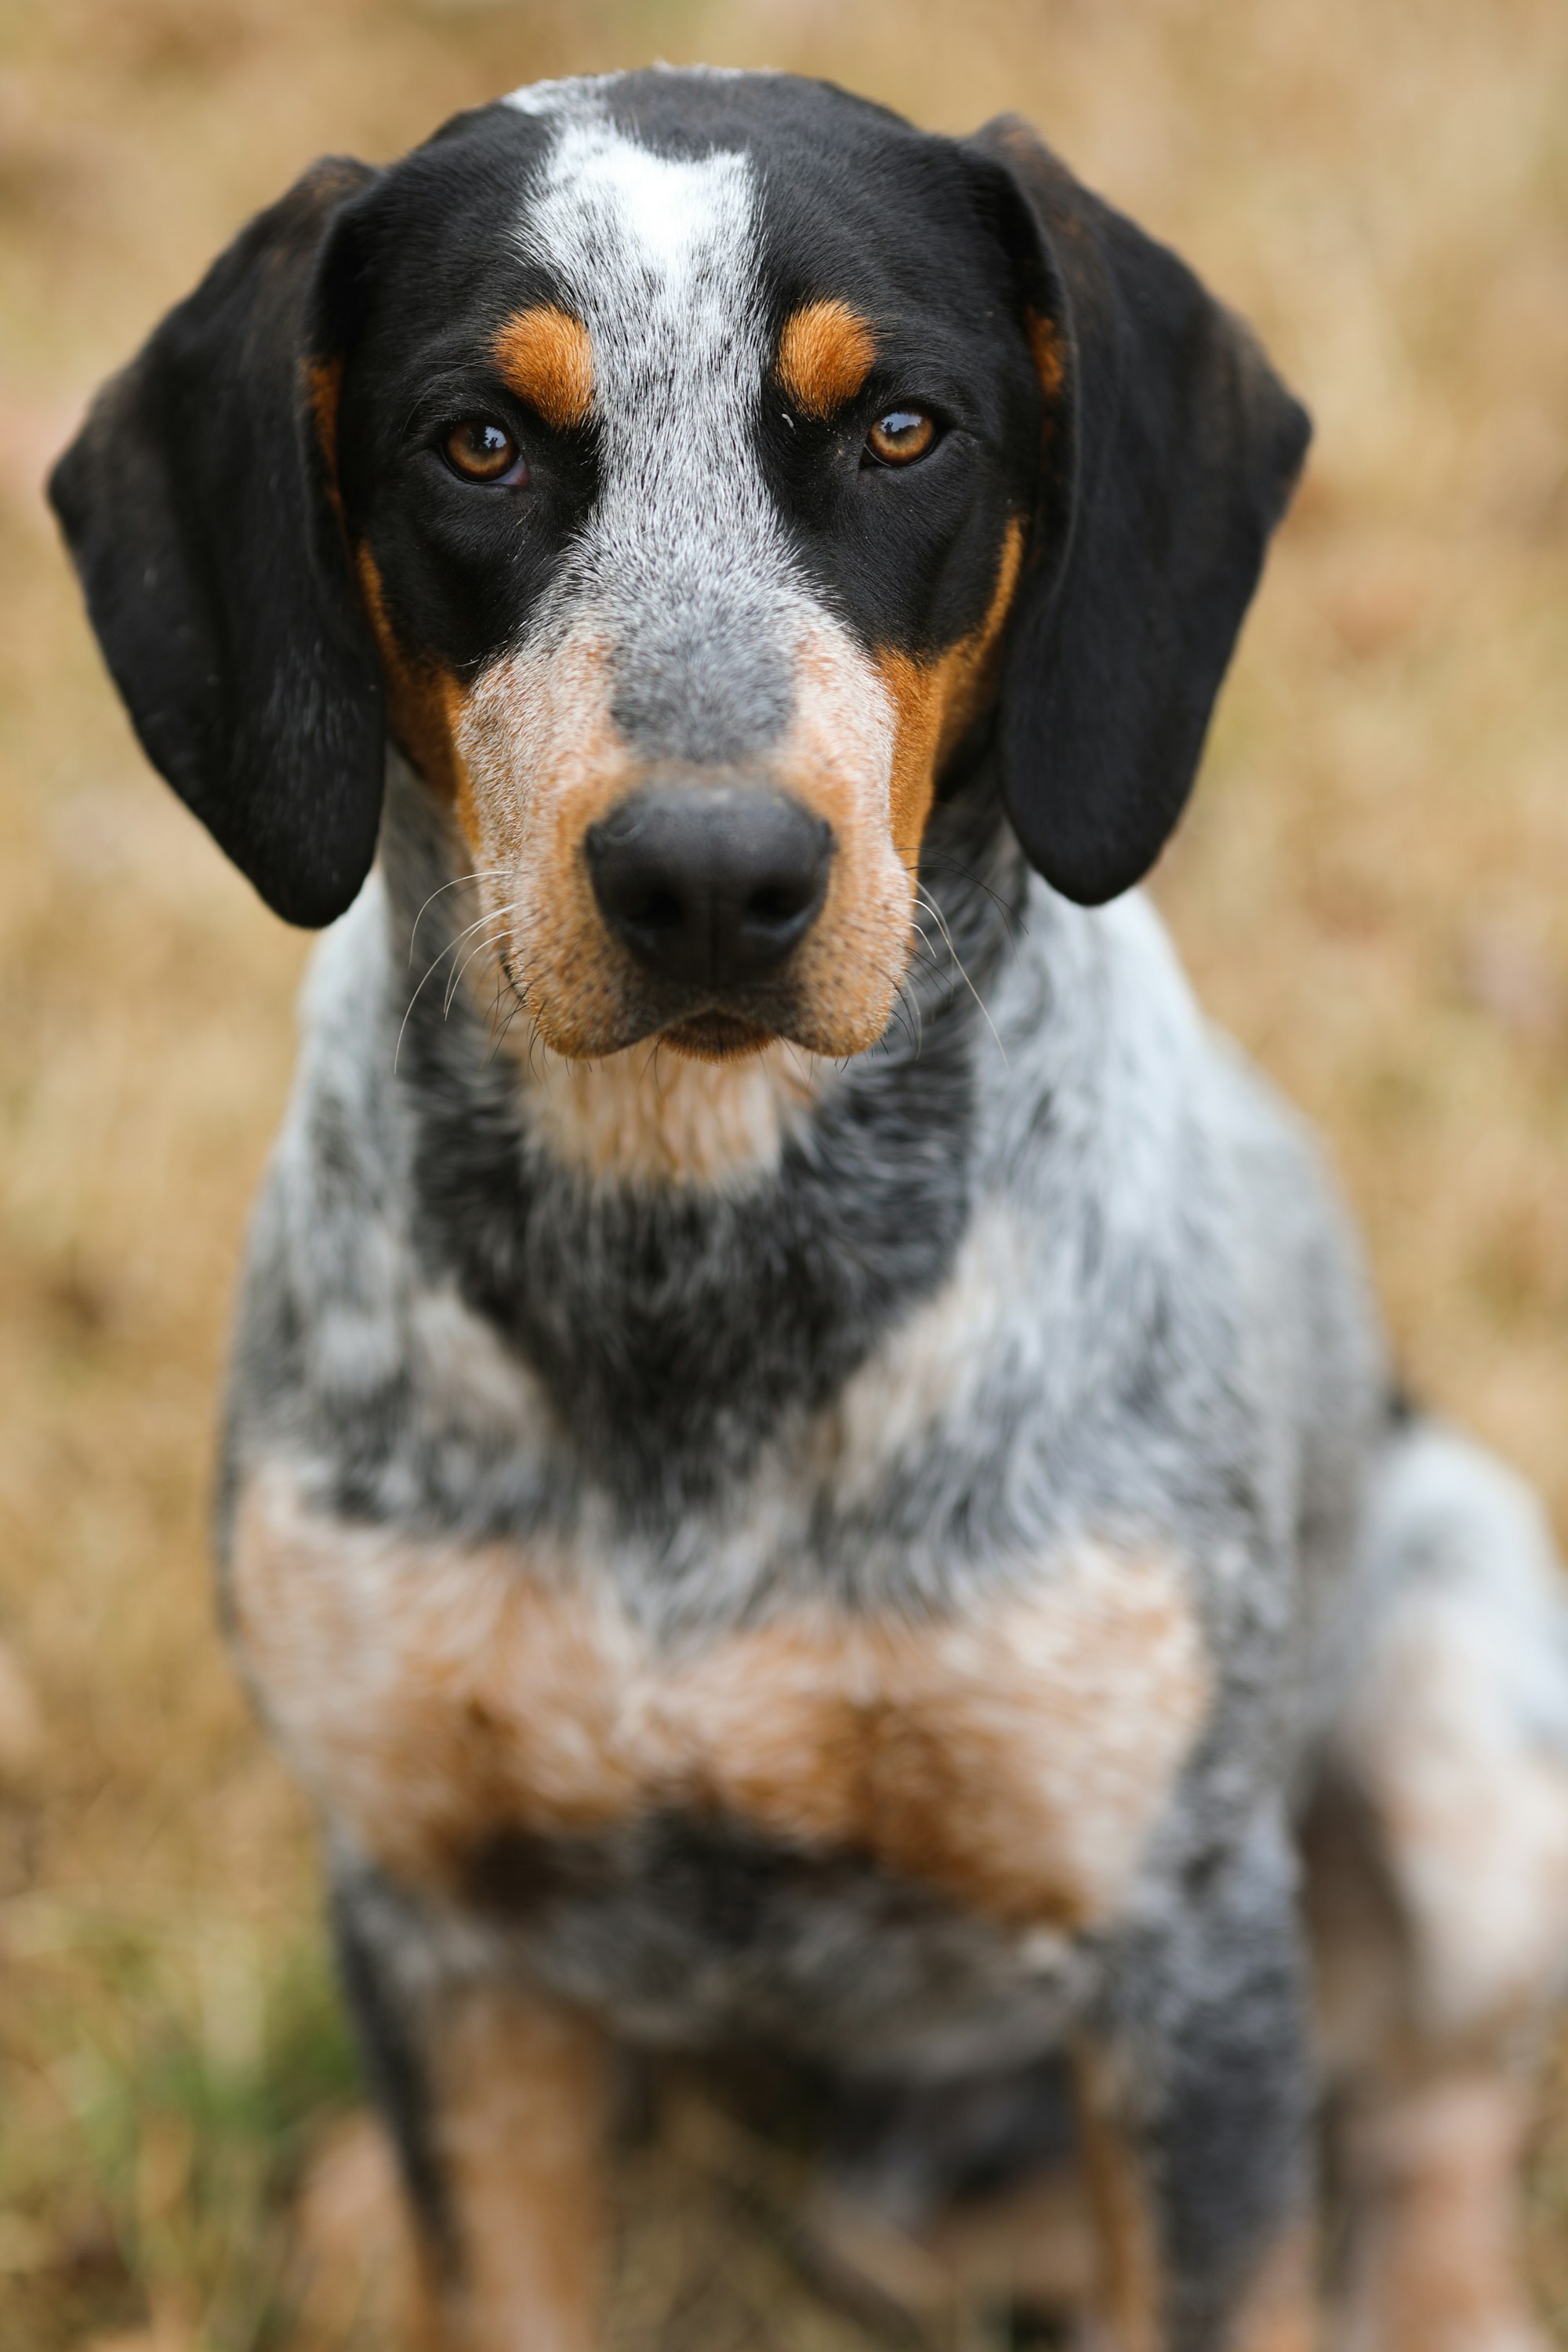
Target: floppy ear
1171, 449
199, 506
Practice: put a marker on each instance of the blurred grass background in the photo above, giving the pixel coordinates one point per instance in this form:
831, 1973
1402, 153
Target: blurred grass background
1370, 891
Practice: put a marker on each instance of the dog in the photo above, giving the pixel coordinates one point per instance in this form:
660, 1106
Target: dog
809, 1467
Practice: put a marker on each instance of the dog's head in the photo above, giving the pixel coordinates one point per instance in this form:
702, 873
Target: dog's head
686, 469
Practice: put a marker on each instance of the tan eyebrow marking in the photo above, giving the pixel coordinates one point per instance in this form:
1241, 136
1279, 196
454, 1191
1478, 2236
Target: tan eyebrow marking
422, 698
547, 359
824, 356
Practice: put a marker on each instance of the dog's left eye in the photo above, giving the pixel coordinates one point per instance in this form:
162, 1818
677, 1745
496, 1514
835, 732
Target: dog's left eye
481, 450
901, 437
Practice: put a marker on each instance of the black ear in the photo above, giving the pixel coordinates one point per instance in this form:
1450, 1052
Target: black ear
1170, 451
199, 506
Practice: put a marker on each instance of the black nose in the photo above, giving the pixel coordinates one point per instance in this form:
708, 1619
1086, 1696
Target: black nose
712, 884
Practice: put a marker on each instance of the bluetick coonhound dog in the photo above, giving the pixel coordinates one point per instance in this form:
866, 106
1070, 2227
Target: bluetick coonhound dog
809, 1467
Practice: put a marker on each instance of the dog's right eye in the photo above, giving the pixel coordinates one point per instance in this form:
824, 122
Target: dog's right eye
481, 450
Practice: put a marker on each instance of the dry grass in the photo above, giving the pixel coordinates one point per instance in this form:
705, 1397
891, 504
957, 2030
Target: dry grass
1371, 892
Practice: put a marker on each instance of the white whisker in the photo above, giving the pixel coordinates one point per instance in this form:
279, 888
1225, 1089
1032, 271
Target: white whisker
479, 873
929, 903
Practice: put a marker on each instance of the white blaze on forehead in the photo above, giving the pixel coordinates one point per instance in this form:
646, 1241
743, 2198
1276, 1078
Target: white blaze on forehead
657, 255
685, 552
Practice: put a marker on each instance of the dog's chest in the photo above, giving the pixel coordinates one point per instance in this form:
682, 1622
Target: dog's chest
441, 1701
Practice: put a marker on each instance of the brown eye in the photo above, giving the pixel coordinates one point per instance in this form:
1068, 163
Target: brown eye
481, 451
901, 437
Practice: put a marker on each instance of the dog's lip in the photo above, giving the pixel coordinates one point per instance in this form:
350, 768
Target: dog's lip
756, 1013
694, 1020
717, 1032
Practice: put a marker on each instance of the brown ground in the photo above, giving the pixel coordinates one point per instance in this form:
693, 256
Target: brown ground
1371, 891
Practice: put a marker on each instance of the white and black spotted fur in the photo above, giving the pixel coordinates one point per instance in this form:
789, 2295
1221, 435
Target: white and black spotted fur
1039, 1266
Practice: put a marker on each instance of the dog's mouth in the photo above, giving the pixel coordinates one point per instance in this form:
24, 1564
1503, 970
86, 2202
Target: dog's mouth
699, 1023
717, 1036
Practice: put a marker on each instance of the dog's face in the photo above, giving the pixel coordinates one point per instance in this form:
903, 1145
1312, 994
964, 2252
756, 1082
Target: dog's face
687, 483
682, 469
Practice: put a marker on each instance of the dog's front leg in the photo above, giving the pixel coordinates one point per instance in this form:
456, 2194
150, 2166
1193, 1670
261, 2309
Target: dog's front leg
1194, 2098
495, 2095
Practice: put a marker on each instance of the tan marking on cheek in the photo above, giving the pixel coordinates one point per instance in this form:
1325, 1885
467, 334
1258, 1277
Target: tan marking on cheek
518, 2095
537, 741
826, 353
423, 699
435, 1699
547, 359
838, 760
937, 699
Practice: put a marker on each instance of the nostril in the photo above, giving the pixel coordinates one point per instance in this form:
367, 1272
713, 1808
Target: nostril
661, 910
622, 825
780, 902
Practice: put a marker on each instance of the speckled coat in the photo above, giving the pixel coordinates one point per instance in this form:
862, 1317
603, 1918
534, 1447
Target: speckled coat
856, 1509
